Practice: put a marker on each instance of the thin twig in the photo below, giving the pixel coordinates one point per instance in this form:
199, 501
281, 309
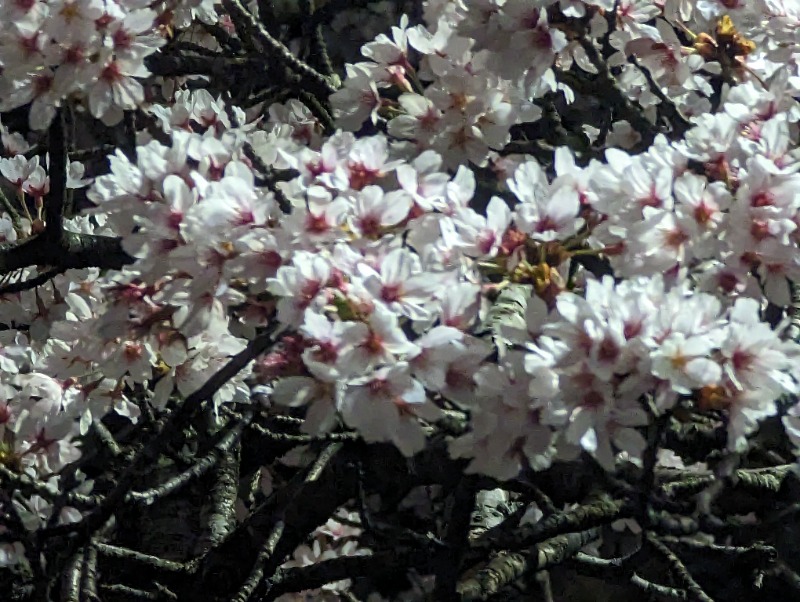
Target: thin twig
313, 31
276, 49
106, 437
257, 573
127, 554
29, 486
30, 283
131, 592
11, 211
606, 569
601, 510
678, 569
608, 87
678, 122
276, 436
270, 179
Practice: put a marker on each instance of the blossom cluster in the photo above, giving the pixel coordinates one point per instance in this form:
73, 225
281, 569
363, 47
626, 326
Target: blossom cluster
383, 259
578, 375
93, 50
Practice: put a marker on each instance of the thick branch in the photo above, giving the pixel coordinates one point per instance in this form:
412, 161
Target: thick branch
74, 251
54, 206
507, 567
601, 510
306, 502
197, 470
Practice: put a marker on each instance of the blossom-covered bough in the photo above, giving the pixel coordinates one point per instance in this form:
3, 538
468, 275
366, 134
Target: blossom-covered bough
509, 301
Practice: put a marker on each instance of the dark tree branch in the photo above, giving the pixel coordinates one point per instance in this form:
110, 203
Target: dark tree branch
198, 469
89, 577
605, 85
73, 251
30, 283
457, 538
597, 511
312, 31
678, 569
257, 572
159, 564
307, 501
374, 566
57, 199
315, 81
71, 580
622, 572
507, 567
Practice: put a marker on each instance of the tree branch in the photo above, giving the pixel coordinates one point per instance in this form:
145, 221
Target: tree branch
507, 567
274, 48
57, 198
74, 250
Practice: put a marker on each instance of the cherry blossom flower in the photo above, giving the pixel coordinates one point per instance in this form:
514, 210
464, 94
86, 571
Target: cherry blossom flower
37, 88
400, 284
299, 285
328, 342
391, 54
116, 88
684, 363
460, 305
545, 216
513, 426
18, 169
423, 180
375, 211
419, 121
377, 344
755, 356
482, 236
358, 100
384, 405
320, 397
24, 13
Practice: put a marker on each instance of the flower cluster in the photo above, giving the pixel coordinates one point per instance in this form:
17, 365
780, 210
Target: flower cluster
581, 372
413, 271
51, 50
